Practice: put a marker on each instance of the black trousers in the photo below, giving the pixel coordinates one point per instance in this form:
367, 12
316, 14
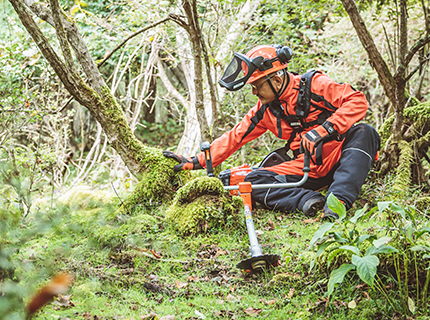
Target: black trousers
344, 180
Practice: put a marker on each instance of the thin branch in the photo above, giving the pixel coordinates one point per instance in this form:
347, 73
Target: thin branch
170, 88
61, 35
389, 47
412, 51
426, 21
60, 69
375, 57
132, 36
76, 42
423, 62
178, 19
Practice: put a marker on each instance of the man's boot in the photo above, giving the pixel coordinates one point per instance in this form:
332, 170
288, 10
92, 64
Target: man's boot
329, 214
313, 205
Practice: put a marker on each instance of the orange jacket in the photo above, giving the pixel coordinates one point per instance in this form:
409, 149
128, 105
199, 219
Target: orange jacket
349, 107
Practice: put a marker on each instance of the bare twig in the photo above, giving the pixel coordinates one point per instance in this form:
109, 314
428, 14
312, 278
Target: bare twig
132, 36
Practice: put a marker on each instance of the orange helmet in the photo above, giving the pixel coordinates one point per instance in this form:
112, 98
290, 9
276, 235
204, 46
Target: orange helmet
258, 62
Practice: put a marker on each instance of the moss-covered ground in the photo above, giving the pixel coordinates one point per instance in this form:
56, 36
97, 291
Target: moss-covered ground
139, 266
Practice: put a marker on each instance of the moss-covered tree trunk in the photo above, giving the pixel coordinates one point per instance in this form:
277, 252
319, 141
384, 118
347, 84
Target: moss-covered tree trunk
405, 140
93, 93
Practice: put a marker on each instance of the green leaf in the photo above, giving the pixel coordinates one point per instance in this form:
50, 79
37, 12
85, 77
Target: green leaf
336, 276
422, 231
366, 237
334, 204
351, 248
411, 305
420, 248
409, 231
338, 236
358, 214
426, 256
382, 249
398, 209
321, 232
383, 205
381, 241
366, 267
322, 247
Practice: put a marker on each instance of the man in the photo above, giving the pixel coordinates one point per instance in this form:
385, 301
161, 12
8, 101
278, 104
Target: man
324, 123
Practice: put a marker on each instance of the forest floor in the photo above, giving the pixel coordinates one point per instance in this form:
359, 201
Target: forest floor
135, 266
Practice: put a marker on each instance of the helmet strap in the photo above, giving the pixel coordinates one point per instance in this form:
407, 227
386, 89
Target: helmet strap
283, 86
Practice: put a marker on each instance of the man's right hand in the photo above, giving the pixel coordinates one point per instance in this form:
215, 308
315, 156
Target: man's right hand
184, 163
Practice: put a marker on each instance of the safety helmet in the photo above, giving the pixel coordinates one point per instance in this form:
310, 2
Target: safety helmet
258, 62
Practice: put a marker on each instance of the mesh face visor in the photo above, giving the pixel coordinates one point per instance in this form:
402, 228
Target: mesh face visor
239, 71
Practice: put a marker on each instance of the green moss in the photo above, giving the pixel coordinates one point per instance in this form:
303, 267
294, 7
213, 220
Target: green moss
202, 205
403, 173
419, 113
157, 179
284, 279
385, 131
84, 198
112, 235
423, 203
158, 182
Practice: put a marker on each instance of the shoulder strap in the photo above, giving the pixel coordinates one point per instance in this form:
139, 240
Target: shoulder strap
304, 97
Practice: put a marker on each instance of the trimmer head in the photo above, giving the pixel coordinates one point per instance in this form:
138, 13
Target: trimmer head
256, 264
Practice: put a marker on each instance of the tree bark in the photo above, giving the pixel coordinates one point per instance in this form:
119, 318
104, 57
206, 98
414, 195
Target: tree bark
375, 57
95, 95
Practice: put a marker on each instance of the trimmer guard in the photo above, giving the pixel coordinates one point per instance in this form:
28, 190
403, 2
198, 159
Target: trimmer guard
256, 264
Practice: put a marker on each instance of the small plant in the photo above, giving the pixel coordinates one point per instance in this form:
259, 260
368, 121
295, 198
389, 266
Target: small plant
360, 251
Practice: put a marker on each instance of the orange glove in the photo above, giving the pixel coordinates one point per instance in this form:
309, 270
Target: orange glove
184, 163
315, 136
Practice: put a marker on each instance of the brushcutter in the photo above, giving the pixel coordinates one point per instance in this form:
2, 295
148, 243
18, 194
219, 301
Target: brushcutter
258, 261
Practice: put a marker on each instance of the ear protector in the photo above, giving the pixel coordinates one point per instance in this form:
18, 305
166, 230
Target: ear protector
284, 53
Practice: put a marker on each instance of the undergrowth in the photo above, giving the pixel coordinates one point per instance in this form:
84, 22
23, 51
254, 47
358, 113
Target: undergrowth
135, 266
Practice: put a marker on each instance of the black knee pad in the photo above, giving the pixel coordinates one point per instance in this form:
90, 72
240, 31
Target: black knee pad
364, 137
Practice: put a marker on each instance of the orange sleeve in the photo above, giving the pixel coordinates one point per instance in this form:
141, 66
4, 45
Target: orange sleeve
351, 105
248, 129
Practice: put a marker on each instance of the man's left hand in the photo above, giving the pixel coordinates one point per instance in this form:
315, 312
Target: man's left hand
315, 136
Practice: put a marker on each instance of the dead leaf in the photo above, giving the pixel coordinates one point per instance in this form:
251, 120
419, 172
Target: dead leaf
366, 295
291, 293
360, 286
271, 224
155, 254
307, 221
224, 314
63, 301
220, 252
231, 298
191, 278
252, 311
150, 316
270, 302
199, 314
168, 317
411, 305
180, 284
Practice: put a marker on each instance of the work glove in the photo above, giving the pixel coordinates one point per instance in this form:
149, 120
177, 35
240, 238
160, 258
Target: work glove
184, 163
315, 136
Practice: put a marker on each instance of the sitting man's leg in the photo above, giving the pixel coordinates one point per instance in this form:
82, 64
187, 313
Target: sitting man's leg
358, 152
302, 198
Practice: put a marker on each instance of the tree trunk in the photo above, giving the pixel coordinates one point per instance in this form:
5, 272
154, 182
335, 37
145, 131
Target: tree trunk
396, 132
95, 95
375, 58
